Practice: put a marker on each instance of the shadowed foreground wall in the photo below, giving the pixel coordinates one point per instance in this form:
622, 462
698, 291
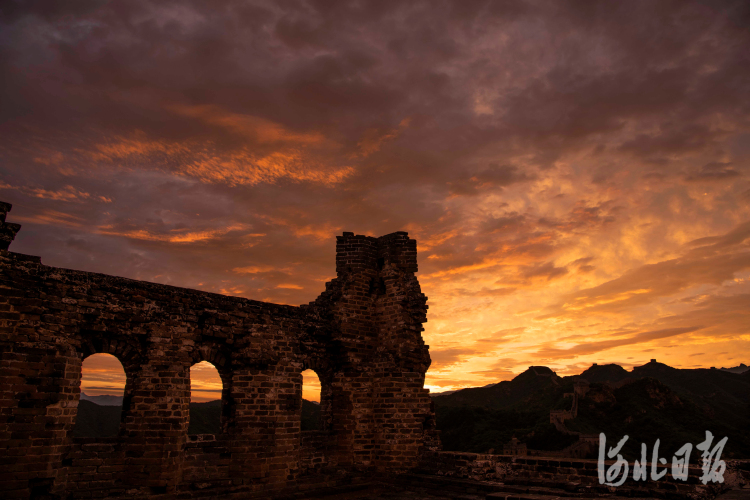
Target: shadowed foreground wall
362, 336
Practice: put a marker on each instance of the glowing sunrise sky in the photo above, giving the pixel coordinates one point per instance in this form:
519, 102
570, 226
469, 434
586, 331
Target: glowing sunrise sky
576, 174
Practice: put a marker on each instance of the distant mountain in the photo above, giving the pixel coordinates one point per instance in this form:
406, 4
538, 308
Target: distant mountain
310, 415
507, 393
605, 373
712, 387
479, 429
107, 400
653, 400
742, 368
717, 392
96, 421
647, 410
483, 418
103, 420
205, 418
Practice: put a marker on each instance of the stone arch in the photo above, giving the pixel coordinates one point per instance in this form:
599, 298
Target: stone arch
220, 358
318, 364
128, 351
311, 392
214, 355
107, 414
324, 371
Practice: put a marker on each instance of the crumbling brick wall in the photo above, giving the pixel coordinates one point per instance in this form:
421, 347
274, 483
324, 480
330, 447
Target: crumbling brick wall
362, 336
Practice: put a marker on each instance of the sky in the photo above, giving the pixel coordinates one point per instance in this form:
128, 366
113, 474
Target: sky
575, 173
102, 374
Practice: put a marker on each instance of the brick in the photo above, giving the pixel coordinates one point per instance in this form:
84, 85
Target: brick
370, 315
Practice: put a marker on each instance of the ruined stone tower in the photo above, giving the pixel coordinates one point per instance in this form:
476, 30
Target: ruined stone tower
362, 336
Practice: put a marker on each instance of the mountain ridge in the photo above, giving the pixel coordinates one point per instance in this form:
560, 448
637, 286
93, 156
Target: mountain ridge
741, 368
652, 401
696, 381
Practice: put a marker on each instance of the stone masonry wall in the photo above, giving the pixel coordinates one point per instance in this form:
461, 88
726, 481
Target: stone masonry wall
362, 336
575, 475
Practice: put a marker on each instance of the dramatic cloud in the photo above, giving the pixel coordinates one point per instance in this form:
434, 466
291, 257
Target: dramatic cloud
710, 261
575, 173
603, 345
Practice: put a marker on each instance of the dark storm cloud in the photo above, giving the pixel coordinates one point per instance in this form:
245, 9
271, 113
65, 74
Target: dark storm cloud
714, 171
493, 177
142, 62
222, 145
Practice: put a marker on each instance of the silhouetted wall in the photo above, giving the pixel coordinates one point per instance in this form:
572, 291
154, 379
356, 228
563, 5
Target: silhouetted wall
362, 336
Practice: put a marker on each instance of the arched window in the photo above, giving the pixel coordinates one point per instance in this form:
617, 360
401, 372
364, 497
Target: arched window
205, 399
100, 404
310, 401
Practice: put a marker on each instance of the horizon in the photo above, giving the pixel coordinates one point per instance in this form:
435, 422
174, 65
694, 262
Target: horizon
576, 177
602, 364
310, 388
310, 398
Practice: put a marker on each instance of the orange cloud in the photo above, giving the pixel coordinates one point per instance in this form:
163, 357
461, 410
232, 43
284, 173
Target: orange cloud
178, 236
711, 260
290, 286
253, 269
373, 139
581, 199
595, 347
205, 162
252, 127
52, 217
67, 193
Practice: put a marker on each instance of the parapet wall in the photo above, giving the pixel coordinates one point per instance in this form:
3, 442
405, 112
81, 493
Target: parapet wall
362, 336
580, 478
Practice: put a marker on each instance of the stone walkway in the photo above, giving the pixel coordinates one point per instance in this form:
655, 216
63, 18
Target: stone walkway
383, 492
